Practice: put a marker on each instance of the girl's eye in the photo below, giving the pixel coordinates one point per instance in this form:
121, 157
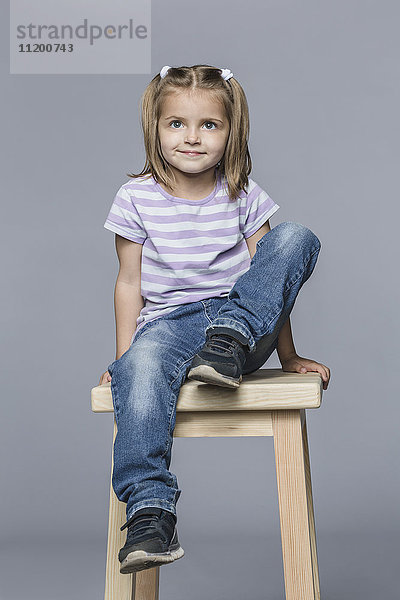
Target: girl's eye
176, 121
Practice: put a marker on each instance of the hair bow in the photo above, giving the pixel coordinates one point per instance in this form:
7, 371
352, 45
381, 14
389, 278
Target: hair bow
225, 73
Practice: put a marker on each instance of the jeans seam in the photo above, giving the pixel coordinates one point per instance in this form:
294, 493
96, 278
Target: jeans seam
183, 363
145, 504
302, 269
205, 311
171, 411
291, 285
115, 398
171, 404
228, 321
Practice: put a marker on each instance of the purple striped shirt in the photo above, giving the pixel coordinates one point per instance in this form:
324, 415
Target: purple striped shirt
192, 249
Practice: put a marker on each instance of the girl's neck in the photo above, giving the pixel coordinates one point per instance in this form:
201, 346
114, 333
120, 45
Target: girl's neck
193, 186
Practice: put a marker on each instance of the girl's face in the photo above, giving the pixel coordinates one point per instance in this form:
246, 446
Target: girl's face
193, 130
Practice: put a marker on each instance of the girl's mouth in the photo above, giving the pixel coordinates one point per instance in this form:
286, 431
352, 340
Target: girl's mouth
190, 153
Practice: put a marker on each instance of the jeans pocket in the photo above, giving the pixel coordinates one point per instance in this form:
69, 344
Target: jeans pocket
144, 328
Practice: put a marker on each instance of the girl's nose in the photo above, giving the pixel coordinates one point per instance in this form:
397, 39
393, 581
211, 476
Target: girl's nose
191, 137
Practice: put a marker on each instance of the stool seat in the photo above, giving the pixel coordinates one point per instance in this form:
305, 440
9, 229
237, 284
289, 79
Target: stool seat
268, 402
265, 389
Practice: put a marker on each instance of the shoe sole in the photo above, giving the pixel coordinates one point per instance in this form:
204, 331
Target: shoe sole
208, 374
140, 560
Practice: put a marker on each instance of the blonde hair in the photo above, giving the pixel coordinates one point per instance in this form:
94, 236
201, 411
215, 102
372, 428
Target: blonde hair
236, 162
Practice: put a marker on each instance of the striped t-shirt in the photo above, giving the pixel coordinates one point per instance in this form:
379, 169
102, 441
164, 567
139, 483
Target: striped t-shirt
192, 249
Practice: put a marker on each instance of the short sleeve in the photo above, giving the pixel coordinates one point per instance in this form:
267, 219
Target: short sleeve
124, 218
259, 208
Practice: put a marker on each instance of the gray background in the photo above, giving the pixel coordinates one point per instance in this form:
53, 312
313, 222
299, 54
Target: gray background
322, 82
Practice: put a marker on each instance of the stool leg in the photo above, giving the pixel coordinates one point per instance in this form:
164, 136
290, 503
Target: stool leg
313, 537
143, 585
147, 584
293, 506
118, 586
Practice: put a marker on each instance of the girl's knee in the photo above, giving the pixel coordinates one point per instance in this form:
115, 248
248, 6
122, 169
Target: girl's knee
144, 364
293, 232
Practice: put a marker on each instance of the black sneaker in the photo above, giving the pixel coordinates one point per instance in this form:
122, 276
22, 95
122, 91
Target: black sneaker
221, 360
151, 541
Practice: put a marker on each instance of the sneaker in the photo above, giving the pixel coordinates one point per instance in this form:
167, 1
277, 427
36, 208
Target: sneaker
151, 541
220, 361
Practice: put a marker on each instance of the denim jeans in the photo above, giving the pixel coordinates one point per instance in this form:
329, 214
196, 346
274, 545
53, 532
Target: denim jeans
146, 379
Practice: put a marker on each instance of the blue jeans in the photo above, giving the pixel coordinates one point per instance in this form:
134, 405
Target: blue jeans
146, 379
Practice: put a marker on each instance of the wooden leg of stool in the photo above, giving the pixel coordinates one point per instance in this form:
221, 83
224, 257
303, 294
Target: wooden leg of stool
310, 504
147, 584
293, 507
143, 585
118, 586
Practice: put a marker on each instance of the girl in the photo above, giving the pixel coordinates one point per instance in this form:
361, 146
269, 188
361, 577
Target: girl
204, 290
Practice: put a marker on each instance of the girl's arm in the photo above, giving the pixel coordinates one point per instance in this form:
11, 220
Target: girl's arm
128, 300
285, 347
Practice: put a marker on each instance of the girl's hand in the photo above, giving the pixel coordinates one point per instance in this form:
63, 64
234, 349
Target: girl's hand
105, 378
298, 364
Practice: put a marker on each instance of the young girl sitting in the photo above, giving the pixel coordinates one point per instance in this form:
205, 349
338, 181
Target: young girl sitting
204, 290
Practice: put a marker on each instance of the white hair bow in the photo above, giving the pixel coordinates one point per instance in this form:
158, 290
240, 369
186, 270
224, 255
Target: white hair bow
164, 71
225, 73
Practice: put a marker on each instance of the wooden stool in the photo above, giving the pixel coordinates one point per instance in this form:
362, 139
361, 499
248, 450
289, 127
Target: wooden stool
267, 402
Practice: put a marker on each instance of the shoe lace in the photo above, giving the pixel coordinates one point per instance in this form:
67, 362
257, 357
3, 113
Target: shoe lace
223, 342
141, 522
145, 521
